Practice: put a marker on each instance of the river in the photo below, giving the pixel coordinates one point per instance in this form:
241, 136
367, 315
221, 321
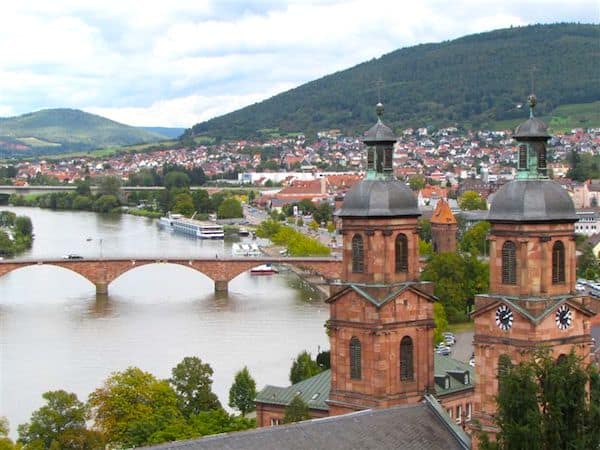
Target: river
55, 333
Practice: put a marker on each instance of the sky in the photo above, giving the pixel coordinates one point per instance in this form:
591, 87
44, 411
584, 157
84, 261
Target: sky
175, 63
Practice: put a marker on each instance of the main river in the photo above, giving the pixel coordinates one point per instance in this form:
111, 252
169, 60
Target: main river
55, 333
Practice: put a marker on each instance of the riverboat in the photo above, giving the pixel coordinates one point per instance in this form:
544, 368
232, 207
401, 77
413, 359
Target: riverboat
264, 269
240, 249
191, 227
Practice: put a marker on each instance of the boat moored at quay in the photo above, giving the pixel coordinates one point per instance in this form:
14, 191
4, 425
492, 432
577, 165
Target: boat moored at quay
197, 228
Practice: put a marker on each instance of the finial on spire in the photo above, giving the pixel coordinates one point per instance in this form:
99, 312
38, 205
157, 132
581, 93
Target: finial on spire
379, 109
532, 100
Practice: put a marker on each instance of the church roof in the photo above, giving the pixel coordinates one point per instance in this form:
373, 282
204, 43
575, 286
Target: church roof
313, 391
379, 198
422, 426
442, 213
380, 294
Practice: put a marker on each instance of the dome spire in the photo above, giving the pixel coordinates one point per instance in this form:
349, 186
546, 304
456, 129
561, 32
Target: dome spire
379, 140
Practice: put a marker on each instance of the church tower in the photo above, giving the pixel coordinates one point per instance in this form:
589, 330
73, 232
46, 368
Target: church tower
381, 320
532, 299
443, 228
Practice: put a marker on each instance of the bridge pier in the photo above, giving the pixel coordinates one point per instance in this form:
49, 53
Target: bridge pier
101, 288
221, 285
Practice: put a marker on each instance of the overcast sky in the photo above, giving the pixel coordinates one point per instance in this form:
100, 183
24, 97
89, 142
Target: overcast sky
179, 62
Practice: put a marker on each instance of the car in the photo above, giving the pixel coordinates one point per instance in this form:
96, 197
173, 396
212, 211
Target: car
72, 256
472, 361
449, 338
580, 288
445, 351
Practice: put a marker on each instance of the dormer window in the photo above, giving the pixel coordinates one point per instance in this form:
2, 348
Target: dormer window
467, 378
447, 383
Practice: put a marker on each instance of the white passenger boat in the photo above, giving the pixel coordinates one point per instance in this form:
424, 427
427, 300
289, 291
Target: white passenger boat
241, 249
191, 227
264, 269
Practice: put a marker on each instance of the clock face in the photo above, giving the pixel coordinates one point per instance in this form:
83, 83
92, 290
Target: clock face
564, 317
504, 317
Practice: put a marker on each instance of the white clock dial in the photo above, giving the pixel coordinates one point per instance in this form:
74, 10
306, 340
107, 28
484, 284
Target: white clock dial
504, 317
564, 317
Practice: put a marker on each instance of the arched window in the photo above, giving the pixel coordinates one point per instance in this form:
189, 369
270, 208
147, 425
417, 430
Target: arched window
358, 254
406, 359
509, 263
355, 359
401, 253
558, 262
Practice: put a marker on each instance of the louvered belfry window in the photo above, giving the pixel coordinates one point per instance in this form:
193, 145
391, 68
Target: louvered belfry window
558, 262
406, 359
401, 253
509, 263
358, 254
355, 358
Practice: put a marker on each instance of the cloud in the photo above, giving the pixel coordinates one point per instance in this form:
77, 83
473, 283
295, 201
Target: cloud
181, 62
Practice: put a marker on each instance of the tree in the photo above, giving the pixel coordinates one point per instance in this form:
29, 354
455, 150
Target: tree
471, 200
105, 203
441, 322
5, 442
59, 424
83, 187
543, 404
457, 278
184, 204
425, 230
23, 226
230, 208
296, 411
416, 182
588, 265
201, 201
131, 406
176, 179
193, 386
303, 367
109, 186
474, 240
243, 392
324, 359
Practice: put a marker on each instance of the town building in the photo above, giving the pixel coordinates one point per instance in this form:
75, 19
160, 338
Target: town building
444, 228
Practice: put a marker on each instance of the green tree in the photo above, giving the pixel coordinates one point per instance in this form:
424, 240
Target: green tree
474, 240
425, 230
588, 265
176, 179
83, 187
243, 392
543, 404
230, 208
59, 424
296, 411
105, 203
23, 226
303, 367
417, 182
441, 322
131, 406
471, 200
458, 278
5, 442
109, 186
191, 379
201, 201
184, 204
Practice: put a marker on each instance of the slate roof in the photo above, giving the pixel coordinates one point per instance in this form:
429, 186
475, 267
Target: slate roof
532, 201
379, 198
412, 427
313, 391
444, 366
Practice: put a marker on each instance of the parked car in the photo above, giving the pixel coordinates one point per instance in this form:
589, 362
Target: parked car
472, 361
449, 338
443, 349
72, 256
580, 288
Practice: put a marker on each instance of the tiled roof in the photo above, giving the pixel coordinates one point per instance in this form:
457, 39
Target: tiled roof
313, 391
422, 426
442, 213
455, 370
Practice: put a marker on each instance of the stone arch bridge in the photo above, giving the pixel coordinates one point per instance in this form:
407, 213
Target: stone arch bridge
101, 272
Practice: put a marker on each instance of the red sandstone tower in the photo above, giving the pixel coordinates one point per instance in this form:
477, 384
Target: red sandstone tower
443, 228
381, 321
532, 297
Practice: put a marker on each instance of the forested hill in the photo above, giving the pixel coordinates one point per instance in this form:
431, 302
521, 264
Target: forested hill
472, 81
60, 130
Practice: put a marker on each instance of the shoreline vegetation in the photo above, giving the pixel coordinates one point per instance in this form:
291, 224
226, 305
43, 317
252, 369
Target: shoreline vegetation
16, 233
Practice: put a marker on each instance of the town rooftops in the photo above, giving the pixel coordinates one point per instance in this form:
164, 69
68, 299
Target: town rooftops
422, 426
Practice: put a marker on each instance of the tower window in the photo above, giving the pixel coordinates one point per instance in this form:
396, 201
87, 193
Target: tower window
388, 161
401, 253
509, 263
558, 262
406, 359
522, 157
358, 254
370, 158
355, 359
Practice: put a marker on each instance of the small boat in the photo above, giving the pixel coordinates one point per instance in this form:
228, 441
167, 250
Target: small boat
243, 232
264, 269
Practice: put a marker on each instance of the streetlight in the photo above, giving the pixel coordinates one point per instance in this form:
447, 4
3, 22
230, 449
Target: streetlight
100, 244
